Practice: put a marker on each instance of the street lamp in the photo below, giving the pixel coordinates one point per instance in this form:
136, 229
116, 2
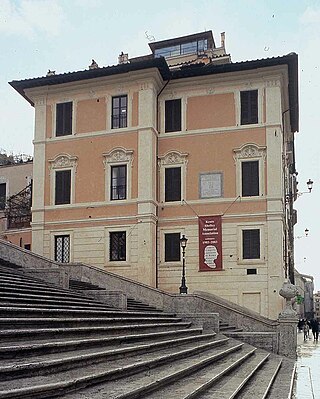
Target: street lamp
183, 244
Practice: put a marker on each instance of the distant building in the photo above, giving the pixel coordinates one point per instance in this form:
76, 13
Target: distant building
15, 202
128, 158
305, 298
316, 301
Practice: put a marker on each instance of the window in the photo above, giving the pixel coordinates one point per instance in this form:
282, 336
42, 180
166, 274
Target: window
173, 115
62, 248
118, 170
118, 182
118, 246
250, 169
250, 178
63, 187
251, 244
119, 112
173, 184
249, 107
172, 247
3, 195
64, 119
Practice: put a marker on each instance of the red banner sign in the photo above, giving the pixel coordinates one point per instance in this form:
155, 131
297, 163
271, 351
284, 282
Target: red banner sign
210, 243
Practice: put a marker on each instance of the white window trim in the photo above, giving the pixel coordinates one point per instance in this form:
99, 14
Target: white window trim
251, 262
127, 229
116, 157
260, 105
109, 96
163, 232
62, 162
173, 159
54, 118
53, 234
250, 152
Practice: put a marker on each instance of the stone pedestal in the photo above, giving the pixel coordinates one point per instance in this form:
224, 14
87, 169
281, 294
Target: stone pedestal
287, 337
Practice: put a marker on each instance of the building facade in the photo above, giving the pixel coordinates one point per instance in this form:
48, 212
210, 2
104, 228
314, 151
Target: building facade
182, 141
316, 302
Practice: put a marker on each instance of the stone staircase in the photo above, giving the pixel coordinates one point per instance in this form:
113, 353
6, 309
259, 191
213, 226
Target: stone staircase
56, 342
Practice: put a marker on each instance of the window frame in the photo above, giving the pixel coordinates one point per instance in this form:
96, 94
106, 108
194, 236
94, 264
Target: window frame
57, 236
130, 231
72, 122
250, 152
120, 97
173, 159
62, 162
115, 234
114, 197
251, 261
118, 156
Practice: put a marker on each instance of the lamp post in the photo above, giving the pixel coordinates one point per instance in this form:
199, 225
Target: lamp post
183, 244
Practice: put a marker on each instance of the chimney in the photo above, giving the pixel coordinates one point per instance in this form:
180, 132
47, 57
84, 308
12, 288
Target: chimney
223, 39
123, 58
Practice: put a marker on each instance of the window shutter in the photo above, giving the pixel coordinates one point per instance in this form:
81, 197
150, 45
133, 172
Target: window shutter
249, 107
173, 184
173, 115
251, 244
64, 119
63, 187
250, 178
172, 247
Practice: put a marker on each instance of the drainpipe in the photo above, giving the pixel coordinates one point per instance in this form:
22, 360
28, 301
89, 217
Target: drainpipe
158, 188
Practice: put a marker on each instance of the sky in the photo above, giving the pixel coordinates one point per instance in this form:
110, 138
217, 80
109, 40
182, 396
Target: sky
65, 35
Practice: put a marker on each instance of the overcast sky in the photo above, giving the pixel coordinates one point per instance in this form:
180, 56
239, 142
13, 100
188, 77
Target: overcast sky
64, 35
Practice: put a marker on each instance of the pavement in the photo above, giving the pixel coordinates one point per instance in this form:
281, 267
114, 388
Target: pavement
308, 368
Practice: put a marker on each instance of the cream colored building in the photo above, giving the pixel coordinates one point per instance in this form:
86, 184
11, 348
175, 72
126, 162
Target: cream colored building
129, 158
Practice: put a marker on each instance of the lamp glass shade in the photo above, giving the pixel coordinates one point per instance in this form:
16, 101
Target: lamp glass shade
183, 241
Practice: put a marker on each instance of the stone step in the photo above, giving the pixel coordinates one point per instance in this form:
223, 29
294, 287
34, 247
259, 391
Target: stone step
284, 382
202, 380
156, 382
36, 347
68, 305
62, 322
14, 335
58, 383
228, 386
33, 286
82, 357
262, 380
39, 299
43, 291
33, 312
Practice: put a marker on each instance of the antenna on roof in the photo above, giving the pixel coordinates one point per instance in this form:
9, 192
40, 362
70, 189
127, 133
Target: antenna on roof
151, 38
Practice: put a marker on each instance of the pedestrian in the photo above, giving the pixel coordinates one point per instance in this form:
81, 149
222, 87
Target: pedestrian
315, 329
305, 330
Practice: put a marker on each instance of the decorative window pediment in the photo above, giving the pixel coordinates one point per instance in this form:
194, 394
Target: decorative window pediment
250, 150
118, 155
173, 158
62, 161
